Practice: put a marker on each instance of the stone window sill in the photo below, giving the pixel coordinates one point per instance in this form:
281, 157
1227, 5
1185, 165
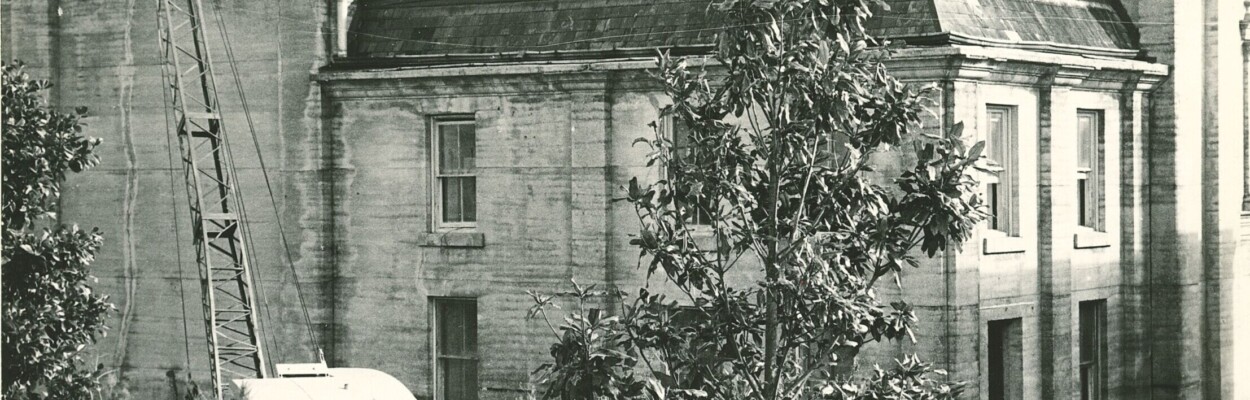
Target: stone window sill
1004, 245
1090, 240
461, 239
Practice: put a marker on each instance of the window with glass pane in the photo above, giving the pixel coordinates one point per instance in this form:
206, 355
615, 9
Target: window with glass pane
1088, 184
455, 324
455, 145
700, 212
1001, 156
1093, 349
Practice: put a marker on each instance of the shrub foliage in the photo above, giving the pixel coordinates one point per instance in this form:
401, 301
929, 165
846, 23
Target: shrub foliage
51, 313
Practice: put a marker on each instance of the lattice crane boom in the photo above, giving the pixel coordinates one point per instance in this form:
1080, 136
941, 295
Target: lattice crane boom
229, 304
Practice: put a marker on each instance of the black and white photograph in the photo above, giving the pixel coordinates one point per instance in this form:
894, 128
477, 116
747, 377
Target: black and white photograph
625, 199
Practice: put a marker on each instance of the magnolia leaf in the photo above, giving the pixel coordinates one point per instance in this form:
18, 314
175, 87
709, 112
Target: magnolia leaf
956, 131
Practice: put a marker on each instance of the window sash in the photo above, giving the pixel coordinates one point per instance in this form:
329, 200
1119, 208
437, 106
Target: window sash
698, 214
1001, 157
458, 199
1086, 139
997, 139
458, 379
1089, 165
454, 150
1092, 349
457, 327
455, 348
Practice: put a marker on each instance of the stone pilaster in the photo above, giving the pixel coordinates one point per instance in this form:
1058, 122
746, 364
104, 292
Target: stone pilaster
1054, 264
1134, 367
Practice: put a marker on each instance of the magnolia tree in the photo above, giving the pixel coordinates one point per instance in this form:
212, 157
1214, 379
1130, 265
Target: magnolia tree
782, 129
51, 313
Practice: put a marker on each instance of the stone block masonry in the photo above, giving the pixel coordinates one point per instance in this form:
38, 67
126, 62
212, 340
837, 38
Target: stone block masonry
103, 55
350, 154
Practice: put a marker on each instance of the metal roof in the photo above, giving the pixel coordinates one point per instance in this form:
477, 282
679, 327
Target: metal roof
424, 29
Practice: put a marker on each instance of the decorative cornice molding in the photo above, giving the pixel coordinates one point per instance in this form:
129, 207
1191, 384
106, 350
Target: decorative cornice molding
965, 63
1023, 68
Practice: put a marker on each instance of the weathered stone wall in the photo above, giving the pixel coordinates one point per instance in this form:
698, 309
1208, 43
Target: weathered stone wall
542, 209
103, 55
527, 120
349, 161
1192, 206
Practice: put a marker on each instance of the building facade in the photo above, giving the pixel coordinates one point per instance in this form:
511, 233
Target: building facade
437, 159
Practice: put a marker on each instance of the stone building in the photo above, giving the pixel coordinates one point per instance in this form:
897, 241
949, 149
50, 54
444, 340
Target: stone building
433, 160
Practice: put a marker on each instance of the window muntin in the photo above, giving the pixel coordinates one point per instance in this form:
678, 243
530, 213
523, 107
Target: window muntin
1001, 190
1093, 349
1088, 169
456, 352
1006, 359
698, 214
455, 153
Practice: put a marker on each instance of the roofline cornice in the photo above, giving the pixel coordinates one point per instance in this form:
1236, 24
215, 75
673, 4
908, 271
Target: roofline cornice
955, 38
1021, 67
961, 62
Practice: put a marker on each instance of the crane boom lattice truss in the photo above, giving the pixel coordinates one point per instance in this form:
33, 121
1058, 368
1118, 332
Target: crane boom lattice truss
225, 275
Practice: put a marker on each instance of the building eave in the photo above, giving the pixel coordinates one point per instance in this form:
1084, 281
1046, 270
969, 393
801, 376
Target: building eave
928, 63
953, 38
508, 57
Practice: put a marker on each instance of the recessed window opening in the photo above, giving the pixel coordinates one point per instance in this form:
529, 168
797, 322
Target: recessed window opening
1006, 360
698, 213
1001, 161
1088, 169
1093, 349
455, 173
456, 352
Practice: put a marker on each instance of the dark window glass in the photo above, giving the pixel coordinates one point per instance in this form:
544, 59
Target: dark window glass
456, 339
457, 162
1006, 360
1093, 349
995, 210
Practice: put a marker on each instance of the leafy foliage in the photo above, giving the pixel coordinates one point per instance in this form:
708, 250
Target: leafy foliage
51, 313
783, 131
41, 145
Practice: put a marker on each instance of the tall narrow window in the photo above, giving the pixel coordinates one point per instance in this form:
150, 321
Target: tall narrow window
1001, 153
1088, 174
455, 153
698, 213
1093, 349
1006, 360
455, 326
